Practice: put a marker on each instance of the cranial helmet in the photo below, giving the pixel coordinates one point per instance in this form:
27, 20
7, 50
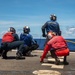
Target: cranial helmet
53, 17
11, 29
26, 29
51, 34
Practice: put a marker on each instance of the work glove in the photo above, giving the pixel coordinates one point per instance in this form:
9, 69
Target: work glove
41, 60
44, 35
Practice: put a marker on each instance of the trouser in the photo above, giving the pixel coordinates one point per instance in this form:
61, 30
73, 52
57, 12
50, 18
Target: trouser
8, 46
53, 53
25, 49
1, 50
15, 44
55, 56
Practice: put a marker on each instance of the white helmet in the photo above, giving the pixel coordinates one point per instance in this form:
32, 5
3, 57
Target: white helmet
53, 17
51, 35
26, 29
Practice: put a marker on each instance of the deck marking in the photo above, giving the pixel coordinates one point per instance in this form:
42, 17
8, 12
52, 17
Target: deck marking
53, 60
46, 72
57, 66
52, 65
47, 64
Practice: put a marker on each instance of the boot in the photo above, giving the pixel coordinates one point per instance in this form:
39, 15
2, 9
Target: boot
4, 54
65, 61
29, 53
19, 55
1, 51
57, 61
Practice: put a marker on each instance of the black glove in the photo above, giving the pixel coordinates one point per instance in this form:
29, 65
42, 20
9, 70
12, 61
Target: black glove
44, 35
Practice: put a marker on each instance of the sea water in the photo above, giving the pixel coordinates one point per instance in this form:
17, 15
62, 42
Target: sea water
41, 42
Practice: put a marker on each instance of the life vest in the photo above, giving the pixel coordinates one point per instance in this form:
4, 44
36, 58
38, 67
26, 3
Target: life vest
8, 37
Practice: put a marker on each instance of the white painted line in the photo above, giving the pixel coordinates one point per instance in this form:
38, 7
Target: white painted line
53, 60
57, 66
72, 52
35, 72
46, 64
46, 72
14, 50
61, 57
53, 66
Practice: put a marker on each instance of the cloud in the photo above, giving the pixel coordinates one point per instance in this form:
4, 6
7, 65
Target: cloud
7, 22
71, 31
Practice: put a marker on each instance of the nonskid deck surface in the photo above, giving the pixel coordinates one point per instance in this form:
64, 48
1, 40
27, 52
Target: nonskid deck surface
32, 66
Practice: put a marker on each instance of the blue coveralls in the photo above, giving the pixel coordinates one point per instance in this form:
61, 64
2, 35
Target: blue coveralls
51, 26
29, 43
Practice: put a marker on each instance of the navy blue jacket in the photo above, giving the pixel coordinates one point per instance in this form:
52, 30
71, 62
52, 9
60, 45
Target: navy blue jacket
51, 26
27, 38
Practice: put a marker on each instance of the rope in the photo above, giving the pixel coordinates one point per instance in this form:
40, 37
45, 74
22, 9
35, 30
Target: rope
70, 41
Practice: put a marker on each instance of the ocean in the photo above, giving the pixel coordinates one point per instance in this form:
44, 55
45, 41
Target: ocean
41, 42
70, 43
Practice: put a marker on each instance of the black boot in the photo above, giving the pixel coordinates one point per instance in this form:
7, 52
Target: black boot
29, 53
19, 55
57, 61
4, 54
65, 61
1, 51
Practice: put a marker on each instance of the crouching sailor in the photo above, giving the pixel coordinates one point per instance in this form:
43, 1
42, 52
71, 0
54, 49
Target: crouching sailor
58, 47
29, 43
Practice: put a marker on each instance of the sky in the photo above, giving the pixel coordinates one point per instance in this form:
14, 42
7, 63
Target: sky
34, 13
